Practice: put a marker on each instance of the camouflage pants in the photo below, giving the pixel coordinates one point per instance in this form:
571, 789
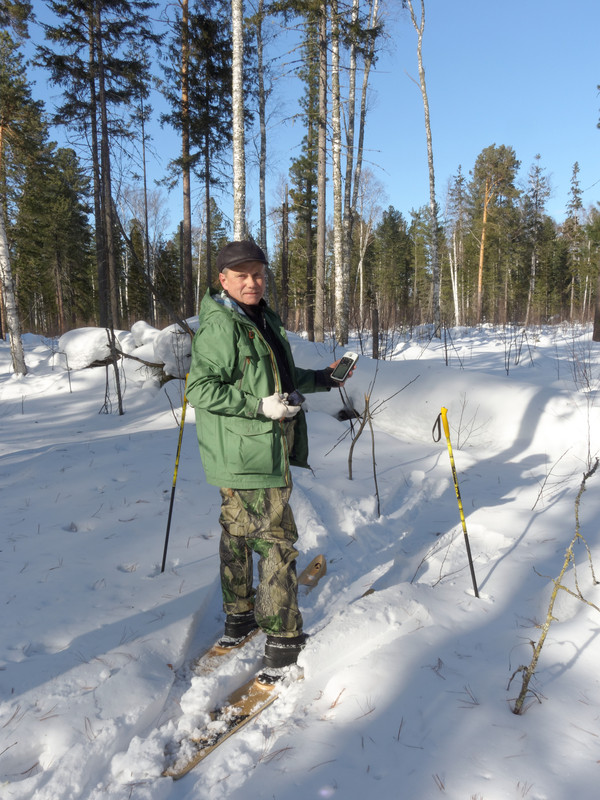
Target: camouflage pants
260, 521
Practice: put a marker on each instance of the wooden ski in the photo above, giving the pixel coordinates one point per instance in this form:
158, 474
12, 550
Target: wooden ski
244, 704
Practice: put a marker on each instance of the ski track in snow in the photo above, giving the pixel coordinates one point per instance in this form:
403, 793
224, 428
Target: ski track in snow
406, 673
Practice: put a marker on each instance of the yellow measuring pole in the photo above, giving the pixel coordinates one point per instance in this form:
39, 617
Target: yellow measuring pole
444, 417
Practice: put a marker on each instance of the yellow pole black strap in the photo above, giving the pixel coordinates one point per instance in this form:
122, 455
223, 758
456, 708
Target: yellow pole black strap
181, 424
443, 416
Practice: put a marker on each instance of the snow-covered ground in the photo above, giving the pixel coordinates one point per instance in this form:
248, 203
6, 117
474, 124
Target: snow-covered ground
406, 689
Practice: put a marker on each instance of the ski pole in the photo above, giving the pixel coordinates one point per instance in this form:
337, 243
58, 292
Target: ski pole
175, 475
436, 429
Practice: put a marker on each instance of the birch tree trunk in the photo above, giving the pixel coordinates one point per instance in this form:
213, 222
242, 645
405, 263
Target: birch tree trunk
433, 208
454, 262
531, 291
237, 97
369, 57
348, 214
10, 304
321, 179
341, 279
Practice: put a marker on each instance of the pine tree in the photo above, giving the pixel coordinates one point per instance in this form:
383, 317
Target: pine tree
303, 172
237, 100
320, 265
15, 14
210, 96
492, 188
91, 55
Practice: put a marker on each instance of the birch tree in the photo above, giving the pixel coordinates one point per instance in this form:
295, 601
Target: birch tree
457, 216
362, 34
419, 26
341, 272
20, 137
348, 210
13, 322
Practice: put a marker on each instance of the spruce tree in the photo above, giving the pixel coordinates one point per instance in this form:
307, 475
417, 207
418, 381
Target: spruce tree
533, 212
391, 269
574, 236
53, 244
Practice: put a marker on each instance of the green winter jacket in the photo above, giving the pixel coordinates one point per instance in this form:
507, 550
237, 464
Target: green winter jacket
232, 369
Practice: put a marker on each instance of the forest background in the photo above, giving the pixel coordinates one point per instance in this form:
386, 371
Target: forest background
118, 115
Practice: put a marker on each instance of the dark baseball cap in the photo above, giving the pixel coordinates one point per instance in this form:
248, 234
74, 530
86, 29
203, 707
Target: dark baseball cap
236, 253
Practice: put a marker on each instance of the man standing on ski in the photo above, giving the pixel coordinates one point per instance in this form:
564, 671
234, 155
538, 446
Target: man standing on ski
249, 432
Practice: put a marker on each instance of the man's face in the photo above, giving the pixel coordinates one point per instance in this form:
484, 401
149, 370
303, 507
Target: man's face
245, 282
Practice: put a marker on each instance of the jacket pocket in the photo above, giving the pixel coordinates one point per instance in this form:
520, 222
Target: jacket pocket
250, 446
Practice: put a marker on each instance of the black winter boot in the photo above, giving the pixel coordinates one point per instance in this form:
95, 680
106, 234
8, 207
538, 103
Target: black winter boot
237, 627
281, 651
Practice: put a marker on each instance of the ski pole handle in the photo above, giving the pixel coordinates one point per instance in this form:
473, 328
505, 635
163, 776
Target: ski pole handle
444, 415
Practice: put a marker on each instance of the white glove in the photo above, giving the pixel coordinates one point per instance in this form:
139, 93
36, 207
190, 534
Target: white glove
275, 407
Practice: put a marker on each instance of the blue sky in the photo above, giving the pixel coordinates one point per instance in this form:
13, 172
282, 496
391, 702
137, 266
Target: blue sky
521, 73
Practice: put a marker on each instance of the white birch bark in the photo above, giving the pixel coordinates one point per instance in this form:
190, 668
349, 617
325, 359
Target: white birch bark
348, 214
10, 304
454, 261
341, 280
435, 266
